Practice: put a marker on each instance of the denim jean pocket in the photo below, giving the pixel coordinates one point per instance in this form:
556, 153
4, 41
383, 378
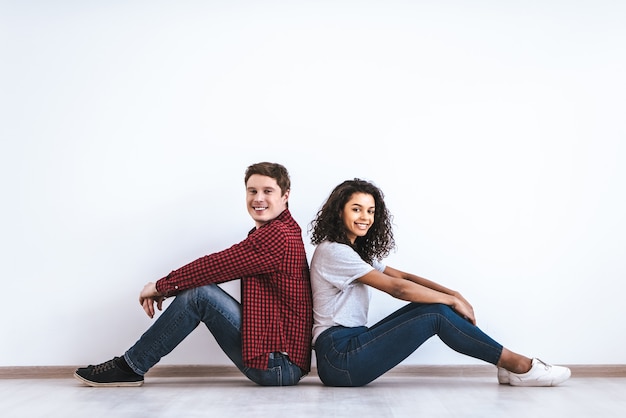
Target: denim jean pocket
280, 372
332, 374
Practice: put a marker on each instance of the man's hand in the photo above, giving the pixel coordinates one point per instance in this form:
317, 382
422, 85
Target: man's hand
148, 296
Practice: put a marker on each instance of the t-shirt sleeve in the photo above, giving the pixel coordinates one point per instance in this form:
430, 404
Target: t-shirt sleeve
341, 265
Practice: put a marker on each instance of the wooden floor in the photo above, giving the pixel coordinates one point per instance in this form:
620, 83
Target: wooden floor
469, 394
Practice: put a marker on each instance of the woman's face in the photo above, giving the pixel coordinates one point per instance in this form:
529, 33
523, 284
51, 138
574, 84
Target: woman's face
358, 215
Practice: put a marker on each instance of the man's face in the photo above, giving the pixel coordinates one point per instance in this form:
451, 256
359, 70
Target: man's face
263, 199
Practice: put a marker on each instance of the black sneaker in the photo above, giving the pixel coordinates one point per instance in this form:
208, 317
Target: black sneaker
108, 374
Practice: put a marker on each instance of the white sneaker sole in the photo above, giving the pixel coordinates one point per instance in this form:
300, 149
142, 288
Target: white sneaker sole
556, 380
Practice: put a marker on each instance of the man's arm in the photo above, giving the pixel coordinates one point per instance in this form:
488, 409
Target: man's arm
260, 253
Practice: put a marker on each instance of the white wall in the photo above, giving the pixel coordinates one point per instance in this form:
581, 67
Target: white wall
496, 130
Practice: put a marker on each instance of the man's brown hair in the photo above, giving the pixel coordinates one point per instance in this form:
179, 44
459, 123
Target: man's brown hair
273, 170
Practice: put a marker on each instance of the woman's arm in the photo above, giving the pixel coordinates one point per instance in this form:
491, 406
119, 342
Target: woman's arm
424, 282
390, 271
413, 288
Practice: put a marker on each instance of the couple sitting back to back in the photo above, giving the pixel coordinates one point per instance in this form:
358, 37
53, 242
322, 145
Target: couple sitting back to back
287, 309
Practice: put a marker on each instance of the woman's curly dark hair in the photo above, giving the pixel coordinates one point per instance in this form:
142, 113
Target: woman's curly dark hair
328, 224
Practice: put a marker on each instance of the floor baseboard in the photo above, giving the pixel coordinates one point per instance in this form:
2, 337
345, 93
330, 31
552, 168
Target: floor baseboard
60, 372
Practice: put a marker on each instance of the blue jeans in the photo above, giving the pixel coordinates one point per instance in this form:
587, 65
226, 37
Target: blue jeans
356, 356
221, 314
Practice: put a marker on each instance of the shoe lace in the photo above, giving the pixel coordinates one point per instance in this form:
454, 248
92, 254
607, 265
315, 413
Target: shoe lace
545, 365
108, 365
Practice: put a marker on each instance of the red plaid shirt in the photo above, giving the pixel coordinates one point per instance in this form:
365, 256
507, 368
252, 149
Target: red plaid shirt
276, 290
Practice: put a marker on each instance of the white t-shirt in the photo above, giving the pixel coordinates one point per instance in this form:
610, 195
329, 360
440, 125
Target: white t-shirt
337, 298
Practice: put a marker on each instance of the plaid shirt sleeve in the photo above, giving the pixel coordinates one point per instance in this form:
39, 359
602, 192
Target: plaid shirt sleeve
260, 253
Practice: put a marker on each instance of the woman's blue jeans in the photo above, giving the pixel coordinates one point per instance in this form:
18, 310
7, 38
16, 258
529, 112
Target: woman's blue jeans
356, 356
221, 314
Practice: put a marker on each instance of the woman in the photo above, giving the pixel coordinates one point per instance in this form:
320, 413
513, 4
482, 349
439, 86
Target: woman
353, 233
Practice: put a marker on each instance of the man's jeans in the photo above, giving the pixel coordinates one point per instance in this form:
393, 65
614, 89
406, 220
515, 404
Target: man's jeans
356, 356
221, 313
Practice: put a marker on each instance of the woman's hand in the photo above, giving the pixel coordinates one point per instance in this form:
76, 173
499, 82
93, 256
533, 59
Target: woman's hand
148, 296
463, 308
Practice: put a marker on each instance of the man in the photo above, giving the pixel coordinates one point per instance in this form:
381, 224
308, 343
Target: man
268, 335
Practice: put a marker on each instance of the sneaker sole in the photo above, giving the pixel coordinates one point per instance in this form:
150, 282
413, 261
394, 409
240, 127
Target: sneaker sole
553, 382
538, 384
112, 384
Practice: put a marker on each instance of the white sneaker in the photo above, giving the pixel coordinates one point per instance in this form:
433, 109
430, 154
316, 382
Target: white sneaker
503, 376
540, 374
